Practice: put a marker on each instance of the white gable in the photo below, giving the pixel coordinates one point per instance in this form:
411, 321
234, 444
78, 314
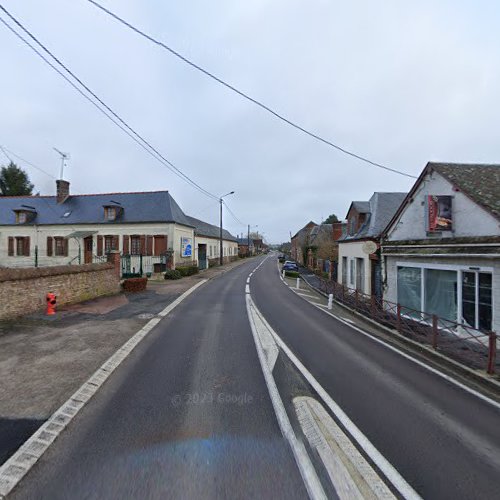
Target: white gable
469, 219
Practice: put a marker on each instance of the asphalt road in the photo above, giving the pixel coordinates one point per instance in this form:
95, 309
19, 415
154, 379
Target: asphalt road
187, 415
444, 441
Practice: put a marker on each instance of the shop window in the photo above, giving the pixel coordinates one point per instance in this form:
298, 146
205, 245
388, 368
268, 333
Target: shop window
441, 293
410, 289
476, 300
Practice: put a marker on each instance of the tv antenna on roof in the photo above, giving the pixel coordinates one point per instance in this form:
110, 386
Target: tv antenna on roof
64, 157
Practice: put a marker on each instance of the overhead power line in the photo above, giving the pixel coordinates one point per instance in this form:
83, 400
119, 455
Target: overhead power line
232, 214
107, 111
261, 105
11, 153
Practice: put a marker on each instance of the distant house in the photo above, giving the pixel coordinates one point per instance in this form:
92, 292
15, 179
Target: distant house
442, 247
207, 248
359, 254
300, 243
72, 229
323, 247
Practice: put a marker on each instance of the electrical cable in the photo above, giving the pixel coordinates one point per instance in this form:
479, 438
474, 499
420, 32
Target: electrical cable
128, 130
246, 96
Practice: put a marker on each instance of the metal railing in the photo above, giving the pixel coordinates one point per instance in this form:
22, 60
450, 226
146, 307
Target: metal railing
460, 342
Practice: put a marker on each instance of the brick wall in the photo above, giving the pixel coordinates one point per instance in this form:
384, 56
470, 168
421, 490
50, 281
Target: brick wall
23, 291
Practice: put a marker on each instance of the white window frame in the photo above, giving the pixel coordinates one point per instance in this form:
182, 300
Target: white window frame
460, 269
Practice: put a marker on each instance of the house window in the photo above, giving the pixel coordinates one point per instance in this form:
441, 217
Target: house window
59, 247
360, 274
110, 213
135, 245
351, 271
344, 270
22, 246
109, 244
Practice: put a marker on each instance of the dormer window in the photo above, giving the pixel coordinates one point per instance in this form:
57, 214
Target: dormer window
110, 213
25, 215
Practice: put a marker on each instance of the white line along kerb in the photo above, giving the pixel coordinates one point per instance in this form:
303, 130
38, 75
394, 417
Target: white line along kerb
19, 464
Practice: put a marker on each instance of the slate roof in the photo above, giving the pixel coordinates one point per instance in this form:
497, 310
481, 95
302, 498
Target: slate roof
382, 207
209, 230
321, 230
481, 183
157, 206
362, 207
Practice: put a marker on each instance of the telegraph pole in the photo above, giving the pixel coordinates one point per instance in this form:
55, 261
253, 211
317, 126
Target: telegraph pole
221, 246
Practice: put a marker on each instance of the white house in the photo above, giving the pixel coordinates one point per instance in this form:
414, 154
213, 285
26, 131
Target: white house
359, 256
72, 229
442, 248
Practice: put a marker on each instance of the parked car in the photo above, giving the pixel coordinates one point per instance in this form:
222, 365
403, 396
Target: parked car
282, 257
290, 266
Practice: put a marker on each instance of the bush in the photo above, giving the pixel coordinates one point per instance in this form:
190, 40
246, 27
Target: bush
187, 270
172, 274
135, 284
292, 274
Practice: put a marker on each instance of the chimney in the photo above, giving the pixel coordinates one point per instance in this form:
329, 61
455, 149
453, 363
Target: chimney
62, 190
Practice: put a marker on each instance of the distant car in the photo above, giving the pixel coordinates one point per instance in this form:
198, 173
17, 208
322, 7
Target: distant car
290, 266
281, 258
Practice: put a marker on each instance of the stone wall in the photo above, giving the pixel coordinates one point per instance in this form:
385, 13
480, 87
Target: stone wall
23, 291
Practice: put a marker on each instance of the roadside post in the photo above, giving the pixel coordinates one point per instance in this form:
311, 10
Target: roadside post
330, 300
283, 274
298, 283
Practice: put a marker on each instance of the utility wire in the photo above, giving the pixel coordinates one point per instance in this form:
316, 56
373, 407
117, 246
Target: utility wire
246, 96
232, 214
4, 149
115, 118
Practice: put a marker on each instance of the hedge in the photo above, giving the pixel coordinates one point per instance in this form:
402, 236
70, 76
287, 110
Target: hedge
172, 274
187, 270
292, 274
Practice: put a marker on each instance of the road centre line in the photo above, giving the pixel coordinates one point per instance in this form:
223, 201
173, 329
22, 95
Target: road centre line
302, 459
378, 459
20, 463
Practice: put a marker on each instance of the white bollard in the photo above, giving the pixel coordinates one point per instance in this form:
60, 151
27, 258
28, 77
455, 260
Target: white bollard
284, 274
330, 301
298, 283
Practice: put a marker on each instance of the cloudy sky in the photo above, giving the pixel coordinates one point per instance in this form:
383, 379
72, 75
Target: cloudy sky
399, 82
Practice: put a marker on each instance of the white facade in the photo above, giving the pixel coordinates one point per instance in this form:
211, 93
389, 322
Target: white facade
357, 273
212, 245
456, 279
76, 251
469, 219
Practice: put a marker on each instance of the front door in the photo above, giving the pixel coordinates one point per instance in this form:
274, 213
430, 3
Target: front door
87, 250
202, 256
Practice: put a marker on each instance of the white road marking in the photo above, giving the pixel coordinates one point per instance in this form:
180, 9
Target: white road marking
414, 360
444, 376
304, 464
350, 473
377, 458
19, 464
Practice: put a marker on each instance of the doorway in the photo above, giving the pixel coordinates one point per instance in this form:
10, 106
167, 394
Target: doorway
88, 246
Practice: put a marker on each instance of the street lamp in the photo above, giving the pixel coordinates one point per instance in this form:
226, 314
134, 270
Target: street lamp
221, 257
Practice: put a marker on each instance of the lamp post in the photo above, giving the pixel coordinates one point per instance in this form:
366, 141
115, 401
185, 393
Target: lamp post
221, 256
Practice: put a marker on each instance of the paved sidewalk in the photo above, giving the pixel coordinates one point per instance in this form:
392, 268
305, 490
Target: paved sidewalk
44, 359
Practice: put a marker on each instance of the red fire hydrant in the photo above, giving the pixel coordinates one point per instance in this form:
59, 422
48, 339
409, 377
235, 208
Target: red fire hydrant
51, 303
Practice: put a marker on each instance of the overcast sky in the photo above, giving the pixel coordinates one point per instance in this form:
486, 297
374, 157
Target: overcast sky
399, 82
